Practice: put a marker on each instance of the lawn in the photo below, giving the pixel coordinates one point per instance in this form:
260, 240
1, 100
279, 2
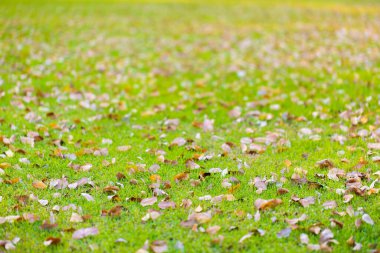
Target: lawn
189, 126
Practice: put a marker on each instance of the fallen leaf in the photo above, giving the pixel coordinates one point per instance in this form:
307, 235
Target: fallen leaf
48, 225
166, 204
262, 204
326, 163
88, 197
115, 211
200, 217
120, 176
5, 165
329, 204
30, 217
43, 202
178, 142
335, 222
326, 235
213, 230
111, 189
85, 232
282, 191
375, 146
124, 148
305, 202
12, 181
296, 220
148, 201
367, 219
76, 218
181, 176
304, 238
245, 237
347, 198
52, 241
39, 185
284, 233
159, 246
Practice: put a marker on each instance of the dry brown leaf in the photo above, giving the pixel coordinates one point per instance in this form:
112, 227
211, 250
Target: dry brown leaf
181, 176
326, 163
115, 211
111, 189
282, 191
52, 241
262, 204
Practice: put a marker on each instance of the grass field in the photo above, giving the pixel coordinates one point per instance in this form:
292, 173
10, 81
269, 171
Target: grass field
189, 126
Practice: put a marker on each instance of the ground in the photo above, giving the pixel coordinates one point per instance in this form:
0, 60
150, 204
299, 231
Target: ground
191, 126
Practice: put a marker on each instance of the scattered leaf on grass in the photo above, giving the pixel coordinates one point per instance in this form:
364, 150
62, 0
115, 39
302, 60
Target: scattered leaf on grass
166, 204
284, 233
111, 189
76, 218
213, 230
367, 219
85, 232
325, 236
305, 202
330, 204
148, 201
159, 246
88, 197
52, 241
262, 204
326, 163
304, 238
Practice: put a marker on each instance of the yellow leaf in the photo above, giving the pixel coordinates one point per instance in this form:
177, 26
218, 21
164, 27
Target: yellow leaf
287, 163
5, 165
155, 178
234, 188
39, 185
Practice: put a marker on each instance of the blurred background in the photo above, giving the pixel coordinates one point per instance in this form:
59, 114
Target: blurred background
117, 43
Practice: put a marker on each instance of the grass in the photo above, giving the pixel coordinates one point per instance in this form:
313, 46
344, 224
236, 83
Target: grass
137, 64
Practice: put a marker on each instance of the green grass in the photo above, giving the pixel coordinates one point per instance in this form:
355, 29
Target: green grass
311, 58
